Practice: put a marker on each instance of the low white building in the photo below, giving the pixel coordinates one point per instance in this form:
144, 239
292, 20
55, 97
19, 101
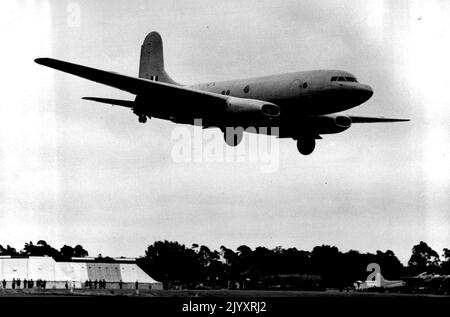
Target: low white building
79, 273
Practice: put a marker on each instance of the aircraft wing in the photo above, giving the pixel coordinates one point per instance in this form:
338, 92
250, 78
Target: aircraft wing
356, 119
174, 96
113, 102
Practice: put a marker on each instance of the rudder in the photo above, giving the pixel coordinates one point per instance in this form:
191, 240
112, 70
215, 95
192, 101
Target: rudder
151, 65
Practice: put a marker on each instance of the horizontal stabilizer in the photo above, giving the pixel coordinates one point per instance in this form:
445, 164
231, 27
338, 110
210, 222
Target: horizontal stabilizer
114, 102
356, 119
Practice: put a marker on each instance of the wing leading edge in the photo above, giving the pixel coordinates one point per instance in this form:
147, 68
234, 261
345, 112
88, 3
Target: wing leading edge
113, 102
356, 119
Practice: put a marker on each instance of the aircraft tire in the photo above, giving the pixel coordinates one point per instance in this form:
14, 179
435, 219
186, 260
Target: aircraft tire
142, 119
306, 146
234, 139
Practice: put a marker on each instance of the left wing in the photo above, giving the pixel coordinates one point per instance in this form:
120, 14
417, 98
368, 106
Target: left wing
113, 102
356, 119
177, 99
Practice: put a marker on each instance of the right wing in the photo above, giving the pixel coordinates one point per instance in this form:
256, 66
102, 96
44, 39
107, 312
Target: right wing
356, 119
177, 99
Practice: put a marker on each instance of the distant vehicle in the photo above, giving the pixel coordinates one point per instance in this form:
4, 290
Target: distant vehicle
379, 284
302, 105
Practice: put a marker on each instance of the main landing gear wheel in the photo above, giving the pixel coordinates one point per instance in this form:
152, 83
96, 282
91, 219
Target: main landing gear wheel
234, 137
142, 119
306, 146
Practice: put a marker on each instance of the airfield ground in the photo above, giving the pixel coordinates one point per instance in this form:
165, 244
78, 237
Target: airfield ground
174, 302
201, 293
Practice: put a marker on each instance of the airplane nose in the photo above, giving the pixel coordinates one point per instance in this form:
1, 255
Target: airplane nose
366, 92
346, 96
361, 93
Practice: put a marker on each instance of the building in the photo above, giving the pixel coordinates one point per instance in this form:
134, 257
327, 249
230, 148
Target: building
77, 273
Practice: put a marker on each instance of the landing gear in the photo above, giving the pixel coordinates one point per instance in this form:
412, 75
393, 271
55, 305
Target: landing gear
142, 118
306, 146
233, 137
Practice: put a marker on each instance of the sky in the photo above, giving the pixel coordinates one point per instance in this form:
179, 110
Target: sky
77, 172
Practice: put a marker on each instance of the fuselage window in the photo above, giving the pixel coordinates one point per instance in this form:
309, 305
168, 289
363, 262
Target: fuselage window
228, 92
223, 92
247, 89
305, 85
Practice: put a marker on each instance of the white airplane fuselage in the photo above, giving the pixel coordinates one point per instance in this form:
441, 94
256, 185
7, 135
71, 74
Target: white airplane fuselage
307, 92
301, 97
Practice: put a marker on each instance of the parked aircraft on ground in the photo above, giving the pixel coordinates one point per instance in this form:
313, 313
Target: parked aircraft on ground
428, 283
379, 283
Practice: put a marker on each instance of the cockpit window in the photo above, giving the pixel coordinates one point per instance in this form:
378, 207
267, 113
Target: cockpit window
342, 78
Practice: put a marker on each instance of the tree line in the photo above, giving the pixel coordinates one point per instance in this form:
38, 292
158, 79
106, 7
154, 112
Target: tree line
42, 248
176, 264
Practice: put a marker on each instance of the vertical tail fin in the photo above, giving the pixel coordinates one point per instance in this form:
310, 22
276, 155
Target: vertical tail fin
151, 64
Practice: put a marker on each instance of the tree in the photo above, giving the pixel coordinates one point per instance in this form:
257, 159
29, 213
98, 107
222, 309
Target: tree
327, 261
42, 243
391, 267
423, 259
80, 252
445, 265
293, 261
213, 270
171, 262
243, 264
42, 248
66, 252
8, 250
354, 265
231, 261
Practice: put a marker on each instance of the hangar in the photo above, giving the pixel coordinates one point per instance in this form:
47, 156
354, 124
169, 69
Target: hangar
77, 273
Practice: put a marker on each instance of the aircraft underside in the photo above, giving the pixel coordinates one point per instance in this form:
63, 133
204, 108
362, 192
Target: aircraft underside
304, 130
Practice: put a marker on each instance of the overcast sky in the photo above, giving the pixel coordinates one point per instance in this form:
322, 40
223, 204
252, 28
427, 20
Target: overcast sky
76, 172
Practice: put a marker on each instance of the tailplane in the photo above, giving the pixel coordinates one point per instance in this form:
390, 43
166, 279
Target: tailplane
151, 64
388, 283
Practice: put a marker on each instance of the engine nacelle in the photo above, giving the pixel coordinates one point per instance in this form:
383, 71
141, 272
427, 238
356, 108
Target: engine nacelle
251, 107
331, 123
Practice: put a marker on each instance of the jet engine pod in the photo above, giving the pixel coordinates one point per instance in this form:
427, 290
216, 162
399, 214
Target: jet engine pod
343, 121
270, 110
252, 106
330, 123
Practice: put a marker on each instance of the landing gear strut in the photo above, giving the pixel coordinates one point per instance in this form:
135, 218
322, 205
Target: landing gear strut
306, 146
142, 118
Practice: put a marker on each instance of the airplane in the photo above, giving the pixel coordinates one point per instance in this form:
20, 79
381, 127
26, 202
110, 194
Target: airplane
379, 283
428, 282
302, 105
